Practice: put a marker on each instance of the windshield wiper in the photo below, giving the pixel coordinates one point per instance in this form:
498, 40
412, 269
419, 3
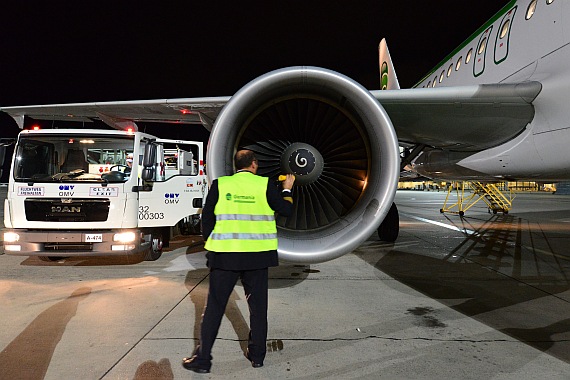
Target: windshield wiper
72, 174
75, 173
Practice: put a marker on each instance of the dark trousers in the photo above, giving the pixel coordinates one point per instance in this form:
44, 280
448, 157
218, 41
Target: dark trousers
222, 283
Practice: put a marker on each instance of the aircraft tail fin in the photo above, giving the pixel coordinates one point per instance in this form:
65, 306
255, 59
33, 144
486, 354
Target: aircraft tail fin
388, 78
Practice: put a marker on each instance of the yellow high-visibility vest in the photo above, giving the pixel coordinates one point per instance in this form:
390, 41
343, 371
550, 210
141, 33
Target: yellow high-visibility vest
244, 220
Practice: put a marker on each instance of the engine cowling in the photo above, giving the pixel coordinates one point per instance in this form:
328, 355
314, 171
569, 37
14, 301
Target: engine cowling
334, 136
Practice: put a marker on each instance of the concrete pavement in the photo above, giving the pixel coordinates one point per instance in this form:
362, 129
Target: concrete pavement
486, 300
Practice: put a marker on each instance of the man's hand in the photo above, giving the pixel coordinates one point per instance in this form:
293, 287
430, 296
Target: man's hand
288, 183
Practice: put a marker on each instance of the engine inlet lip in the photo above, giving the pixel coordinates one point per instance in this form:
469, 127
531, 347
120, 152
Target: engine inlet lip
339, 238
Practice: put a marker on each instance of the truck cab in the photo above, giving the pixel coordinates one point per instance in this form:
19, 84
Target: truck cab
100, 192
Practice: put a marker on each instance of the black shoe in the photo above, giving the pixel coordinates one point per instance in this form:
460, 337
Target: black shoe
253, 364
191, 365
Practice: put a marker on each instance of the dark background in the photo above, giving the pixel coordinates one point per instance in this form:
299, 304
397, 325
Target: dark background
72, 52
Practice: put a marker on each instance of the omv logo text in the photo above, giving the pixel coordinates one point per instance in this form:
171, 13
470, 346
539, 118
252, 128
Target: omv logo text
171, 198
66, 190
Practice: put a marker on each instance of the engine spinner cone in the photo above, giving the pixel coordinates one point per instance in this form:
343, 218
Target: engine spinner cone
304, 161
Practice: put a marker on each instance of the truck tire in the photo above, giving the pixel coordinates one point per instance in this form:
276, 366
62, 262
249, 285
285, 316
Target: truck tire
192, 226
157, 242
50, 259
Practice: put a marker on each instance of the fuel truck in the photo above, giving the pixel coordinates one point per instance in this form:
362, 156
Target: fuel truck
84, 192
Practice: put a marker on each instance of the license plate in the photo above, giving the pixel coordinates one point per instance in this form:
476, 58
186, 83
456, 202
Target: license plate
93, 238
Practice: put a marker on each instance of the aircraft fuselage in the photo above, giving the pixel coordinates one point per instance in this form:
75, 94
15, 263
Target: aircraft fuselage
513, 48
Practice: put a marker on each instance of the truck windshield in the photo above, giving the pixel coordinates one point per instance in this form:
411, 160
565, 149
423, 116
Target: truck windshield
69, 158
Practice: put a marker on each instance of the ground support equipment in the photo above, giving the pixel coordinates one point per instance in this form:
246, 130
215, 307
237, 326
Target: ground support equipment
497, 200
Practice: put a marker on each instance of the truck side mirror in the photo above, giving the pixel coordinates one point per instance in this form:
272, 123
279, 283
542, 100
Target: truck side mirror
147, 174
149, 155
149, 160
2, 157
2, 154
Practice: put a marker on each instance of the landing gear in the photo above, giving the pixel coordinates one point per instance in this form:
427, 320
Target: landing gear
157, 242
390, 227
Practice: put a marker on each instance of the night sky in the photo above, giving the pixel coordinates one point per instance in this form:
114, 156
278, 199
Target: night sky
71, 51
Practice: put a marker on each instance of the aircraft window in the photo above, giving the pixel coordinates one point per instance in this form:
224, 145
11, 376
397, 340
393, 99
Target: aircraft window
434, 81
449, 70
505, 29
531, 9
429, 84
548, 2
469, 56
441, 76
458, 63
482, 46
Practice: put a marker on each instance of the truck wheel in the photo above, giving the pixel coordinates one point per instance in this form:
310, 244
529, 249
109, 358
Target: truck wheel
193, 226
50, 259
155, 250
196, 226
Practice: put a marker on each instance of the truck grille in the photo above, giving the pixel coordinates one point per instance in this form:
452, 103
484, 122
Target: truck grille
68, 246
66, 210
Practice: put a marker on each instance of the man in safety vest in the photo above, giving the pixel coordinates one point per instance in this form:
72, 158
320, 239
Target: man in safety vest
238, 224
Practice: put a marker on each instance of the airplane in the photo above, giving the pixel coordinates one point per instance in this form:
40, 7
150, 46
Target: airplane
494, 109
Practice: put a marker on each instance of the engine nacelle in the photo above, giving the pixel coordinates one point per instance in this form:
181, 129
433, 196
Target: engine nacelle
334, 136
443, 164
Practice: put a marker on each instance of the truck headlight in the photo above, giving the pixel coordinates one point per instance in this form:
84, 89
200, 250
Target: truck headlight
11, 237
125, 237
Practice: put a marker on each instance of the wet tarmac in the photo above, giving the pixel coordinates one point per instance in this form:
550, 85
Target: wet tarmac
480, 297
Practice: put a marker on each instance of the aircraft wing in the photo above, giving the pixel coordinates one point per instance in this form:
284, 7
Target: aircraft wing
187, 111
468, 118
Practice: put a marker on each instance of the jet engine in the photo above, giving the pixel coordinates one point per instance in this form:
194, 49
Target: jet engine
337, 140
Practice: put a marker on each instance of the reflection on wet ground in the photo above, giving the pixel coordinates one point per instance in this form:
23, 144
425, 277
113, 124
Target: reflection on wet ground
510, 272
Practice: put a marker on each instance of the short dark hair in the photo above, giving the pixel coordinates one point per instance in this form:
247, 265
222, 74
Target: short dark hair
244, 158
